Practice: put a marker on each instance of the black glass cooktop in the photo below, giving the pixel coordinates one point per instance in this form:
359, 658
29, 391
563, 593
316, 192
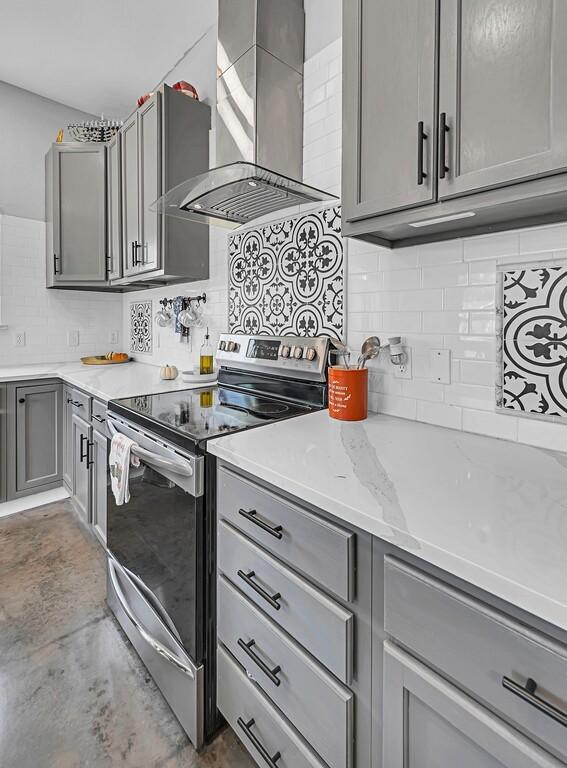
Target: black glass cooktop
199, 414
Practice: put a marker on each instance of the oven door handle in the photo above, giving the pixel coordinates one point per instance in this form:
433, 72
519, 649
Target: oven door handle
151, 641
178, 467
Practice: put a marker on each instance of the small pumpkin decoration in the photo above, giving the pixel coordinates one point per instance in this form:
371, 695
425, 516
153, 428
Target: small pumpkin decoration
168, 372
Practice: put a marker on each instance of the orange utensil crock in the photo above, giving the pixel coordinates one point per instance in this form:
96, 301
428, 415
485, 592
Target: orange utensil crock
348, 393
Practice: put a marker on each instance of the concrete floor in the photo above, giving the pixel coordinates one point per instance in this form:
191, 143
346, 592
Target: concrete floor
73, 692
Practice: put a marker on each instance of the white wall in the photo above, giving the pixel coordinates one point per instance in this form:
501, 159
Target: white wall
45, 316
30, 124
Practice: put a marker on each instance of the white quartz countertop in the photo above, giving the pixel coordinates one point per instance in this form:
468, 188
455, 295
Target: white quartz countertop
491, 512
106, 382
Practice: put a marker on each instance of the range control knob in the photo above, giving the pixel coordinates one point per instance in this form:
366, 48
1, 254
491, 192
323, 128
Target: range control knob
231, 346
310, 353
284, 350
222, 345
297, 352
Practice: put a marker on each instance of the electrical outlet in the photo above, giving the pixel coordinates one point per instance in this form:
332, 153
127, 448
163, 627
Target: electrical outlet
73, 338
114, 337
20, 339
440, 366
404, 371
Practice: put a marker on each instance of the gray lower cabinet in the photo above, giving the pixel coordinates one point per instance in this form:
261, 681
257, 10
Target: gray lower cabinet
34, 437
429, 723
81, 437
99, 457
76, 215
67, 434
454, 120
3, 462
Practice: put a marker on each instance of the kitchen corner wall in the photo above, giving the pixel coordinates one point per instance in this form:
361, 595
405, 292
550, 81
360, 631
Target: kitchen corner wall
437, 296
46, 316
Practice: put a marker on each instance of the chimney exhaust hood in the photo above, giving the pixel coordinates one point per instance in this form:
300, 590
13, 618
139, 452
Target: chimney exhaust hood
259, 120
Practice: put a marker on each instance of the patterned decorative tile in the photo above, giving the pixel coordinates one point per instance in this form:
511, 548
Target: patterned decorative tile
534, 341
141, 326
287, 278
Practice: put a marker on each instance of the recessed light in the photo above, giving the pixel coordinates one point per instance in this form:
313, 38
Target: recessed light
442, 219
198, 206
252, 184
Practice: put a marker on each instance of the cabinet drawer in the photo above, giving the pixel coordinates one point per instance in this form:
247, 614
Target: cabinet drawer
322, 626
318, 706
319, 549
262, 729
481, 650
98, 417
81, 404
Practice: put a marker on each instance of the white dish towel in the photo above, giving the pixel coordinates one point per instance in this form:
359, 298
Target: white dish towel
119, 461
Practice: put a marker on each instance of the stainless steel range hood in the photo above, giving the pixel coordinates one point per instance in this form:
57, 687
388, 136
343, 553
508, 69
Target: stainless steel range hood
259, 121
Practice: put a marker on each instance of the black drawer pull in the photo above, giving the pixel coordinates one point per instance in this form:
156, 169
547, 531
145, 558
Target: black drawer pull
76, 403
443, 131
421, 138
22, 400
252, 515
271, 674
528, 693
247, 728
90, 460
98, 418
56, 270
271, 599
85, 455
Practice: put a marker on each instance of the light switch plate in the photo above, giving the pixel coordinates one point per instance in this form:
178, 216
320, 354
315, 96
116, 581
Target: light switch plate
20, 339
73, 338
114, 337
440, 366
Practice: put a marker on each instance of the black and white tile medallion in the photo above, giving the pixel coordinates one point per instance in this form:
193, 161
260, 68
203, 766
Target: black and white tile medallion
287, 278
534, 341
141, 326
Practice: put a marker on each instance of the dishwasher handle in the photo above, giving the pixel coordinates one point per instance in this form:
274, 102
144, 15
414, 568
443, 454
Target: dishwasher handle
178, 467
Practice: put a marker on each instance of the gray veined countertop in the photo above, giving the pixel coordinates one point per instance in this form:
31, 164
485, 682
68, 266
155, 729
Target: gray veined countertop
491, 512
107, 382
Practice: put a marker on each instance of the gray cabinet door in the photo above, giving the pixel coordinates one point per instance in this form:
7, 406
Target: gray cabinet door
3, 428
502, 74
149, 138
98, 453
130, 195
388, 91
38, 436
81, 432
67, 438
428, 723
79, 213
114, 230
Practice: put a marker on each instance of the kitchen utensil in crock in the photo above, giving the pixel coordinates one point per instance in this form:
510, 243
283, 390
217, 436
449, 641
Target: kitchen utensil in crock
369, 350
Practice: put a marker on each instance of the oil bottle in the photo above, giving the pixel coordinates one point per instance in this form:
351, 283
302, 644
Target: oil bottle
206, 362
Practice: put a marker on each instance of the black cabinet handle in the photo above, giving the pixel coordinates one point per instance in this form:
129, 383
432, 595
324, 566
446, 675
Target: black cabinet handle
528, 694
271, 599
77, 404
443, 131
271, 674
246, 727
83, 456
55, 261
69, 400
251, 514
22, 400
98, 418
90, 460
421, 138
135, 260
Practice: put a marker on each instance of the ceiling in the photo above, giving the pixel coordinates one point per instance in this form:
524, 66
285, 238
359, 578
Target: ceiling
97, 57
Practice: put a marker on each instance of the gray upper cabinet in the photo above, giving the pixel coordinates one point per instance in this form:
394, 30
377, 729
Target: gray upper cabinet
34, 437
113, 197
454, 120
76, 215
502, 74
390, 118
165, 142
429, 723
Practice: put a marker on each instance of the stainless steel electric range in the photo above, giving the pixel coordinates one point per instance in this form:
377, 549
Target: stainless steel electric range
161, 544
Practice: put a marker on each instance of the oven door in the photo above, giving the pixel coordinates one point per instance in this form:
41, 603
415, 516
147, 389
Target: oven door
155, 570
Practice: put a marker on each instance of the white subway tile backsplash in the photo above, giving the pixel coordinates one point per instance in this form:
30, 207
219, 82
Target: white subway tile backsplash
492, 246
482, 323
439, 413
445, 275
493, 424
422, 299
444, 252
477, 372
470, 396
543, 434
401, 279
543, 239
471, 347
445, 322
473, 297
